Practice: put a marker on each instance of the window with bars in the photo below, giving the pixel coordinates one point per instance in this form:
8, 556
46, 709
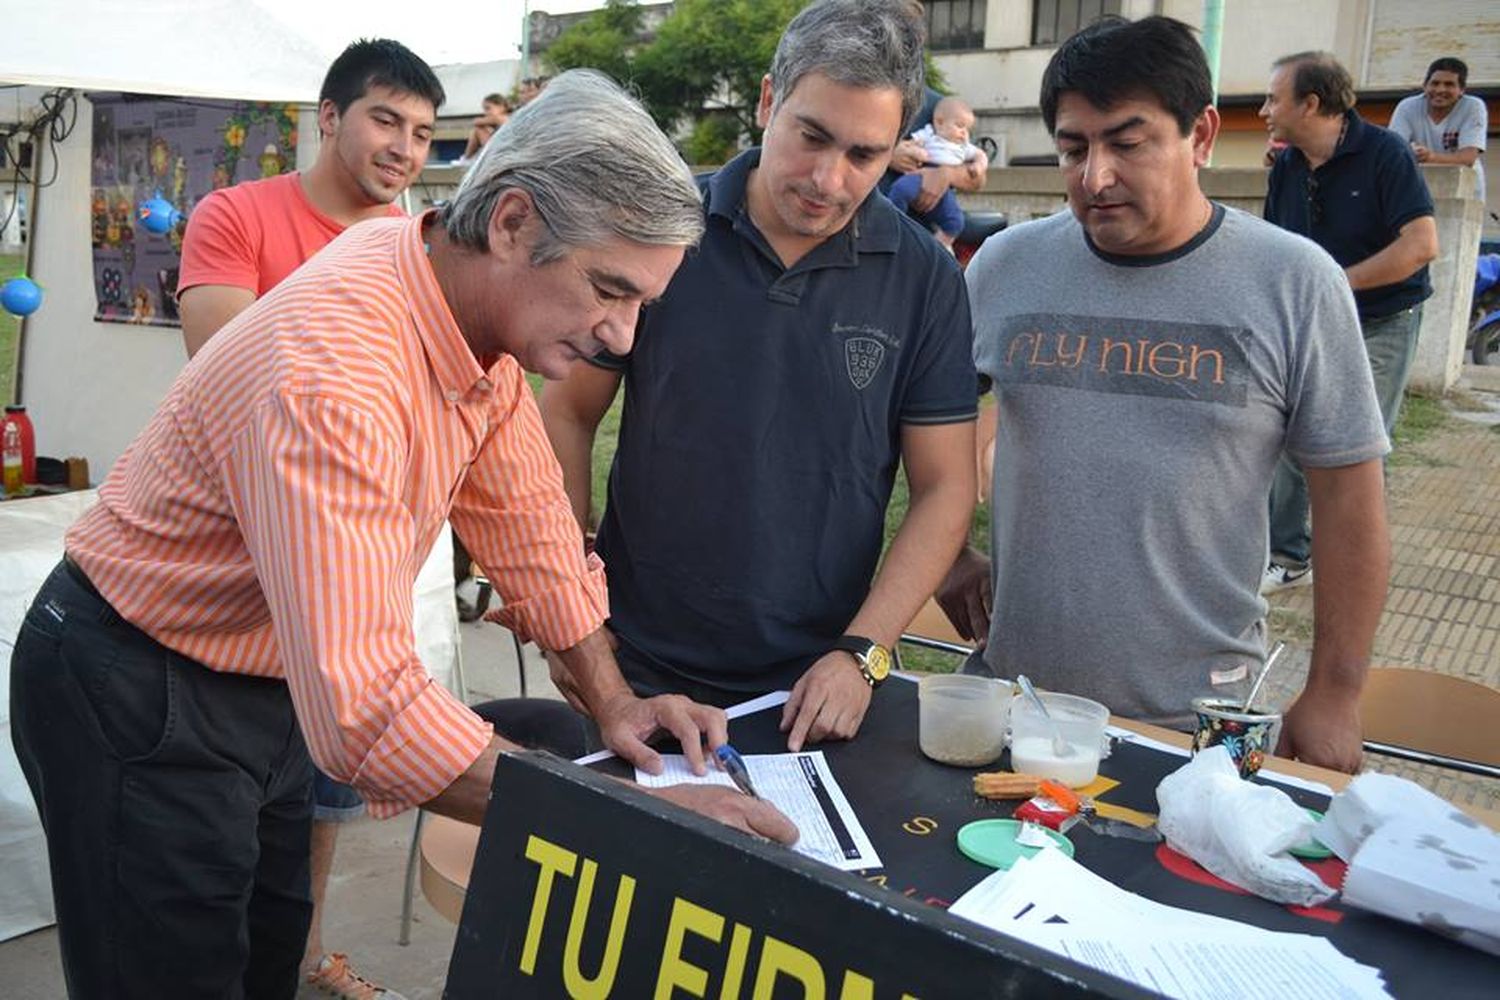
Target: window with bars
1052, 21
955, 24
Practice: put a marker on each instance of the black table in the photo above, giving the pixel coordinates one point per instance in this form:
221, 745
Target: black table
911, 808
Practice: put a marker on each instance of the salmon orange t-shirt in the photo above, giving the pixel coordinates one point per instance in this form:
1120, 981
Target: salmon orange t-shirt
253, 235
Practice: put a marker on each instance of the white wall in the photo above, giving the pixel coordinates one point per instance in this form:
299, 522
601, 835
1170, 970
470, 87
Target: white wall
90, 387
1257, 34
466, 84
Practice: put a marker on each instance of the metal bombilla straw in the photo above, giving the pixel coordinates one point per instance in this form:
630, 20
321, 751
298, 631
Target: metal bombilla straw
1261, 677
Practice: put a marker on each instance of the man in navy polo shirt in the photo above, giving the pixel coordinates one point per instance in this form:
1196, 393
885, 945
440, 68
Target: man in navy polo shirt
1355, 190
816, 340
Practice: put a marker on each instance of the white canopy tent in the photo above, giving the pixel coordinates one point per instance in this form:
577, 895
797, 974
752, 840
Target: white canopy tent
190, 48
90, 387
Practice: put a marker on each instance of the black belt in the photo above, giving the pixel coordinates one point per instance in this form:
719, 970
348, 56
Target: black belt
80, 577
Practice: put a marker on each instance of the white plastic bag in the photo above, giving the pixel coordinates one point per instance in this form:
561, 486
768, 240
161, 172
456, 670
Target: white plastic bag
1238, 830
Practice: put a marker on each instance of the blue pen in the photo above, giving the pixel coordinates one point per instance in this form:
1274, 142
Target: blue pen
734, 764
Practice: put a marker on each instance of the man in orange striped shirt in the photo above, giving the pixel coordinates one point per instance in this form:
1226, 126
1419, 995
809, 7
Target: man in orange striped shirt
248, 570
376, 111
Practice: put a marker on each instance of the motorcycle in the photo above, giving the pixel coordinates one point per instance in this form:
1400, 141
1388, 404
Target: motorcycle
978, 227
1484, 327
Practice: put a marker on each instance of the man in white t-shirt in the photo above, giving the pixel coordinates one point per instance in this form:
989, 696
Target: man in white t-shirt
1442, 123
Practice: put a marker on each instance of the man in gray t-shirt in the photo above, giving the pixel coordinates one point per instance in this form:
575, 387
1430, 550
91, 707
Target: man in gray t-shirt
1442, 123
1153, 353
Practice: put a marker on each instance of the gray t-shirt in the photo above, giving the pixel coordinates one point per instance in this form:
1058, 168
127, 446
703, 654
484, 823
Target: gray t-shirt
1143, 404
1466, 125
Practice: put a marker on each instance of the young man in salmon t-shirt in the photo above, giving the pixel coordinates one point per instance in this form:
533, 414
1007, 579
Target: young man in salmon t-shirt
375, 114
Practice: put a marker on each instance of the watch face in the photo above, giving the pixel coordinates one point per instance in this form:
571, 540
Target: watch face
878, 662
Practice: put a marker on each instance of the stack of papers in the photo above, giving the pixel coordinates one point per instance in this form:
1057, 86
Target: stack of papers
1442, 876
1053, 902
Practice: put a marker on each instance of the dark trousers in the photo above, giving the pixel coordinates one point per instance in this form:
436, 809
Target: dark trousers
176, 804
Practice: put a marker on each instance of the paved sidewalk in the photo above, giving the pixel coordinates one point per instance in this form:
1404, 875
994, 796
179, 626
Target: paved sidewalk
1443, 611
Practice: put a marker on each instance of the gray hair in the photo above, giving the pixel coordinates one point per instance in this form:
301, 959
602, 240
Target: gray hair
859, 43
595, 165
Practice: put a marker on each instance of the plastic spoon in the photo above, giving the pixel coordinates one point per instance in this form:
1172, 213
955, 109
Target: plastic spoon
1260, 678
1060, 746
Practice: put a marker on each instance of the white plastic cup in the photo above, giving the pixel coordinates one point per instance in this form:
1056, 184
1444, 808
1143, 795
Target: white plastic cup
1081, 721
961, 718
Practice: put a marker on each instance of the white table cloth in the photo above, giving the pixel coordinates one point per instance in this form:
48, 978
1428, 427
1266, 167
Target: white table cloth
31, 543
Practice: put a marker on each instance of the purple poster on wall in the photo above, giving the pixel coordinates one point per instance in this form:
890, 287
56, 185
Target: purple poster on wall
179, 149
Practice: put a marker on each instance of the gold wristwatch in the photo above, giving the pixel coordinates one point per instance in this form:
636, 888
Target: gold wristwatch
874, 659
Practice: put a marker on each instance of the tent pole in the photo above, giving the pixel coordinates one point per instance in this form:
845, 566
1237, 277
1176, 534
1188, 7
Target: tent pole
18, 378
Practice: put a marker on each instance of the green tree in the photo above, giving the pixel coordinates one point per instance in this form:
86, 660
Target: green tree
714, 139
705, 62
606, 40
710, 55
701, 72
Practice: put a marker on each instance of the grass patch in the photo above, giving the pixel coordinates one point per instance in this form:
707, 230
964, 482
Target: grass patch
1289, 626
921, 660
606, 438
1421, 417
10, 331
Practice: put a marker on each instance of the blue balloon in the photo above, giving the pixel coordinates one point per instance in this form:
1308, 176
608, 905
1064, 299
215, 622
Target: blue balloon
21, 296
159, 215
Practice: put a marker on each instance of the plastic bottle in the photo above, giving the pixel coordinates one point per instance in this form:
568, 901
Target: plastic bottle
17, 414
10, 445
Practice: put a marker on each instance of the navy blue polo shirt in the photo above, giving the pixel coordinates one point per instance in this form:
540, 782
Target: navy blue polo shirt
760, 438
1354, 206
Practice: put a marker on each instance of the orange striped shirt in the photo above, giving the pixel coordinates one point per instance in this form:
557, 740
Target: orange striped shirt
273, 515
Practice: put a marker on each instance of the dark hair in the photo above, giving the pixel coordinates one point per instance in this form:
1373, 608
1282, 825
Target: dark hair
1320, 74
379, 62
1448, 64
1114, 60
496, 99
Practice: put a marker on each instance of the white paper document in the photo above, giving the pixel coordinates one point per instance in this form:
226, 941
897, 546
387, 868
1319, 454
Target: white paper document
1055, 903
801, 786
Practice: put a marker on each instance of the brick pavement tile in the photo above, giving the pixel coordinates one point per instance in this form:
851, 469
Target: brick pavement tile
1439, 635
1443, 607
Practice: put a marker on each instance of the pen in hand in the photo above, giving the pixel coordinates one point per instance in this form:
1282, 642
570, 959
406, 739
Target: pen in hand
734, 765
